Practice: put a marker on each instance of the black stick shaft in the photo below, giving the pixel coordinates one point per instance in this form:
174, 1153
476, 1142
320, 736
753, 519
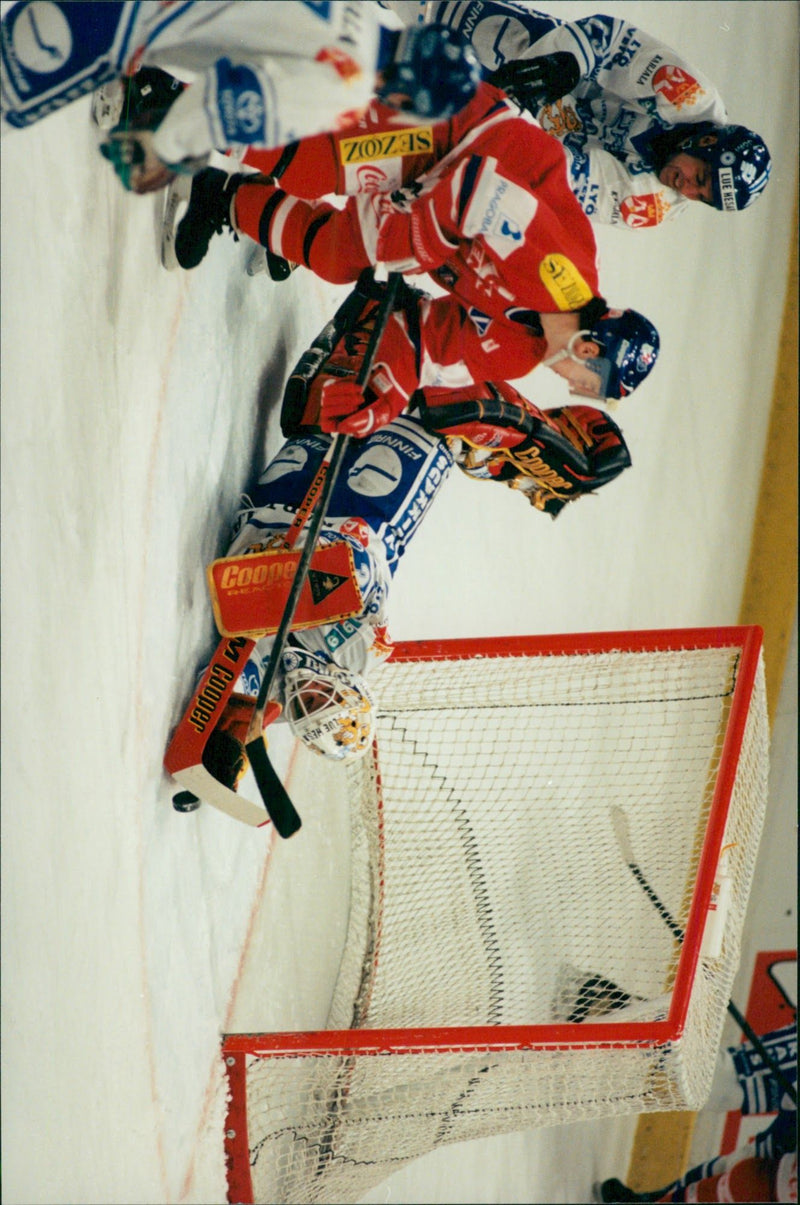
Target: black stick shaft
739, 1018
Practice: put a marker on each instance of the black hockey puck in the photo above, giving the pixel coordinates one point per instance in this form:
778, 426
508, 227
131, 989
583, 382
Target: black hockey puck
185, 801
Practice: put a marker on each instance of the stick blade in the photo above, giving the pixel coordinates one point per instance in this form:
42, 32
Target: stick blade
281, 810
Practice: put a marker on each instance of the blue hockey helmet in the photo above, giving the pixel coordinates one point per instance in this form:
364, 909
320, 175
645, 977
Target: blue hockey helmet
433, 67
739, 160
628, 344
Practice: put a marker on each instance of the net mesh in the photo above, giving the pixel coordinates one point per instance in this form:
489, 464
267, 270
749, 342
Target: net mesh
526, 844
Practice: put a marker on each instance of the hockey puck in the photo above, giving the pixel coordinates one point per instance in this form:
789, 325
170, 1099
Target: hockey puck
185, 801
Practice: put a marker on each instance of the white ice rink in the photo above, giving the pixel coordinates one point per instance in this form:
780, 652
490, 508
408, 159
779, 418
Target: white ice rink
136, 405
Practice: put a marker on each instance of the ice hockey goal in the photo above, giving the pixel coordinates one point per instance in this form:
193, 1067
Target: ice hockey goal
537, 932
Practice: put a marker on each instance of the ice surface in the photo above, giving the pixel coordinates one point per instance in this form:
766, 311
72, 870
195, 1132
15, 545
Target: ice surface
136, 406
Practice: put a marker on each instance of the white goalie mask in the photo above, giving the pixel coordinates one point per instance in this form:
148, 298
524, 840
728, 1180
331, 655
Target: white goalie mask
327, 708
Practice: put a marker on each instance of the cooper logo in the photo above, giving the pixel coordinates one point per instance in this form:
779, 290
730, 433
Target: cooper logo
676, 86
42, 39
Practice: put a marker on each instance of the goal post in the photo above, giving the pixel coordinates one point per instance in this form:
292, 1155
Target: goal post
552, 849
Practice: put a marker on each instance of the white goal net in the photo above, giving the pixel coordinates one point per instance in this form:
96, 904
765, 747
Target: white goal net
537, 932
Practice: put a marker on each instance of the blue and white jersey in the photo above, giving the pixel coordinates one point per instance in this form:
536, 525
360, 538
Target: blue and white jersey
385, 488
632, 88
267, 71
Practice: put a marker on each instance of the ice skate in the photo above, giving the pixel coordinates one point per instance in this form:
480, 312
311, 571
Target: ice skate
262, 260
175, 205
208, 214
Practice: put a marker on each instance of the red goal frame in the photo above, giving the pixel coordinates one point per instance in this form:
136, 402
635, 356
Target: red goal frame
617, 1035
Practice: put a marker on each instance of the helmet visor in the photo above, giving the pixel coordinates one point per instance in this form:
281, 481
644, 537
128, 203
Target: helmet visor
592, 381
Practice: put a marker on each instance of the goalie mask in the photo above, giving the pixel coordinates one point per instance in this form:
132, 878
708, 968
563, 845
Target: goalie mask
739, 160
327, 708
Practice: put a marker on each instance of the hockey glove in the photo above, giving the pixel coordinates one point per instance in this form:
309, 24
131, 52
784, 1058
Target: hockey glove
131, 154
347, 410
553, 457
533, 83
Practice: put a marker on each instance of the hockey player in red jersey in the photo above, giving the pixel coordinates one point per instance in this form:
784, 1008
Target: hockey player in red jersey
494, 433
494, 223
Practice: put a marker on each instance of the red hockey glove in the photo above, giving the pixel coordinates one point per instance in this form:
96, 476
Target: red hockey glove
348, 410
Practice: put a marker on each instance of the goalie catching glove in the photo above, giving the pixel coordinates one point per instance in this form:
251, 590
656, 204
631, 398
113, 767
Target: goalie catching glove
552, 456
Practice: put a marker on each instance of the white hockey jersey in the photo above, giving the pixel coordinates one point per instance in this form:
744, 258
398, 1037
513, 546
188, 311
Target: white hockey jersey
632, 87
266, 71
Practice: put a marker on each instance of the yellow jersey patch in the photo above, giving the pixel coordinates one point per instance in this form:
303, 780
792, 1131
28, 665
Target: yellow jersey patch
366, 148
564, 282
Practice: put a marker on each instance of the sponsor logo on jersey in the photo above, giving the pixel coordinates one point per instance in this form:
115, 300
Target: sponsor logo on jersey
249, 112
42, 39
649, 69
560, 119
647, 210
564, 282
677, 86
356, 528
497, 39
372, 179
376, 472
241, 105
480, 321
499, 212
367, 148
343, 63
340, 633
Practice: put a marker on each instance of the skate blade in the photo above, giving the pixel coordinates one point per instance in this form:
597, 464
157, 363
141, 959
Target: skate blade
257, 261
177, 199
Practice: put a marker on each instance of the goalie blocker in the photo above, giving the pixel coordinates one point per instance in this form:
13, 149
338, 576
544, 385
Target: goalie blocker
553, 456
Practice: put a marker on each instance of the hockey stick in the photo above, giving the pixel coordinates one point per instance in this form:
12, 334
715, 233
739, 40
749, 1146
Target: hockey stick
184, 756
619, 821
281, 810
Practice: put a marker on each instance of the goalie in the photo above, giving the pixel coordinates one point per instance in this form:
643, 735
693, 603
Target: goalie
385, 488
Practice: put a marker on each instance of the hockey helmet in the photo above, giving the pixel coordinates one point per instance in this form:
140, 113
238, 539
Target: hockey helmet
628, 348
628, 345
328, 708
433, 66
739, 160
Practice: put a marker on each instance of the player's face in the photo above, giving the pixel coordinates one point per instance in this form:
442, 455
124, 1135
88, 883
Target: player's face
575, 370
689, 176
313, 697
